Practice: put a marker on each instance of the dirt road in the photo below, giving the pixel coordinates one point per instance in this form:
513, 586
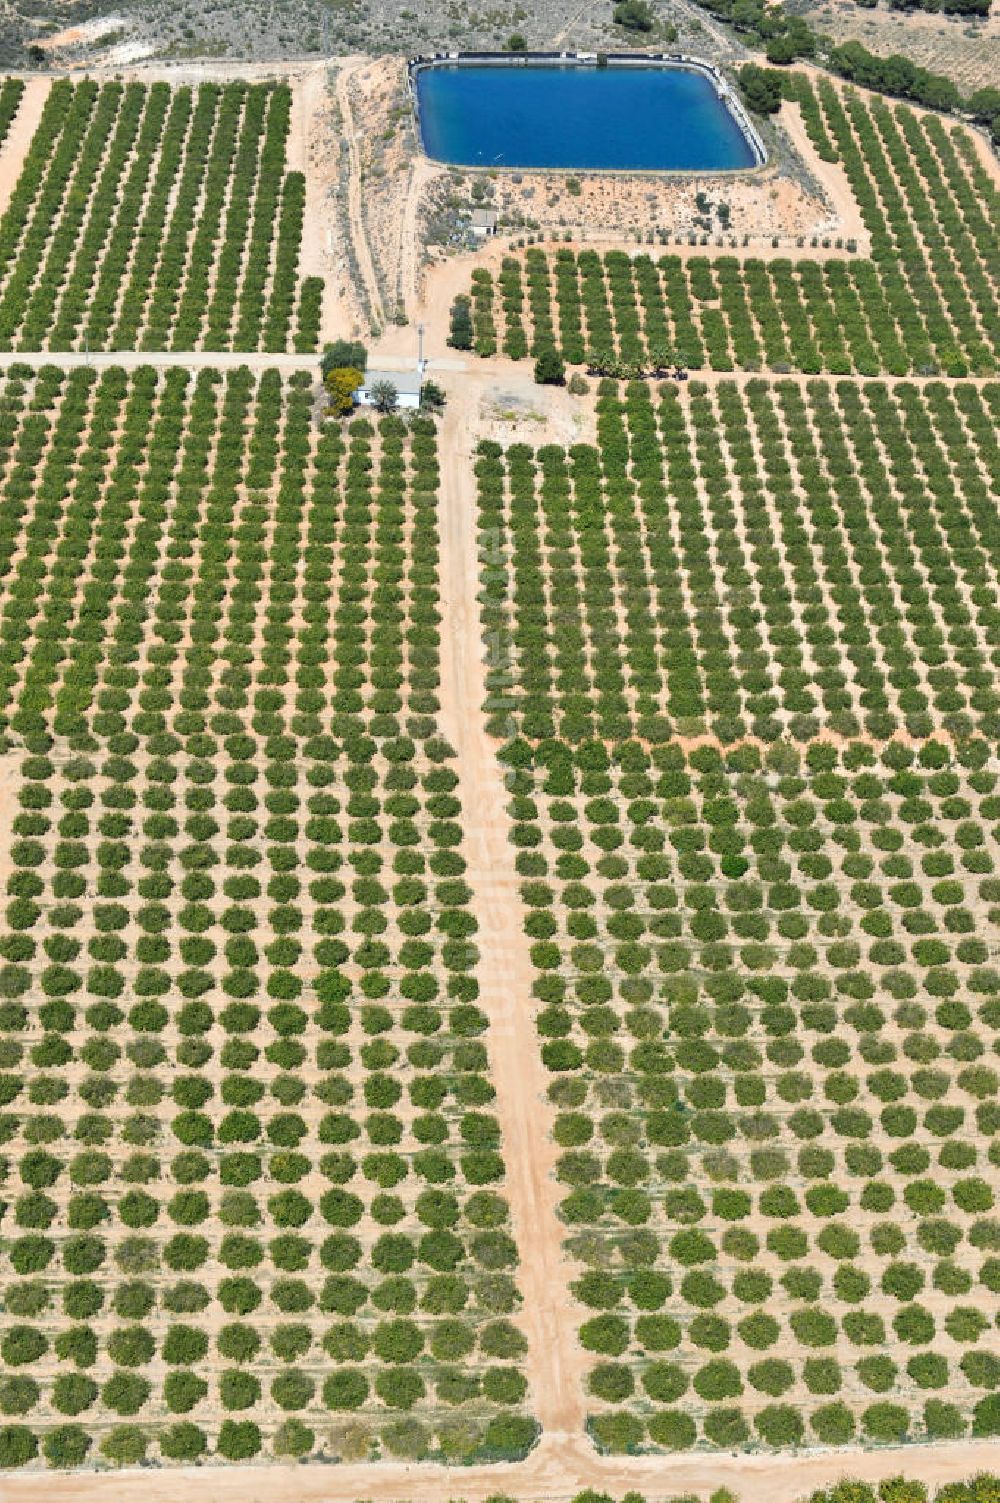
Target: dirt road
831, 175
23, 127
554, 1473
555, 1363
355, 215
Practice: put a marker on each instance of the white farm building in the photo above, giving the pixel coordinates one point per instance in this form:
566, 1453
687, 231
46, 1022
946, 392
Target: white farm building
407, 384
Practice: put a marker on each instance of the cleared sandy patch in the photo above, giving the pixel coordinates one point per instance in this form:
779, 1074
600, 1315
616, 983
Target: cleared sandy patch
20, 135
127, 49
846, 220
518, 411
9, 782
313, 150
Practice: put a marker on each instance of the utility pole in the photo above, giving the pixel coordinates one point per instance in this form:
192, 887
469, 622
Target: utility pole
420, 348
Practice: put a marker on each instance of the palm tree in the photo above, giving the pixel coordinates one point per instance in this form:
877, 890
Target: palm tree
384, 396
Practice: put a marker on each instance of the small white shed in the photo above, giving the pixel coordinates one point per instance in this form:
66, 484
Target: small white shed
484, 223
407, 384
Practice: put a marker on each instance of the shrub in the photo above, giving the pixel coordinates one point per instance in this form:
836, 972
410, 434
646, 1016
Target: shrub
726, 1428
618, 1433
73, 1392
66, 1446
125, 1445
399, 1387
762, 88
346, 1389
508, 1437
673, 1429
779, 1425
607, 1334
18, 1446
550, 368
126, 1393
885, 1421
239, 1440
986, 1416
182, 1442
833, 1424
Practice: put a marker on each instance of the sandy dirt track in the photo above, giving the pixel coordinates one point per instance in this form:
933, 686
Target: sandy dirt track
486, 378
556, 1470
355, 212
308, 96
831, 175
22, 129
313, 150
988, 158
555, 1362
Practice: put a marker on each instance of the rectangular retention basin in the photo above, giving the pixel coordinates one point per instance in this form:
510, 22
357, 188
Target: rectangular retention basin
578, 116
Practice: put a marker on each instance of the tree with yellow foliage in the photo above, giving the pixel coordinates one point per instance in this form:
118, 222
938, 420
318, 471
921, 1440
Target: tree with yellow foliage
341, 384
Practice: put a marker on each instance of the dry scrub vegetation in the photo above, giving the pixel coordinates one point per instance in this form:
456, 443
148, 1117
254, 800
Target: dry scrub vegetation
88, 34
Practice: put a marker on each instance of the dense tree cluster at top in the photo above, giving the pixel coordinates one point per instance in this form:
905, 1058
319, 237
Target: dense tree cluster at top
943, 7
157, 218
785, 36
895, 74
